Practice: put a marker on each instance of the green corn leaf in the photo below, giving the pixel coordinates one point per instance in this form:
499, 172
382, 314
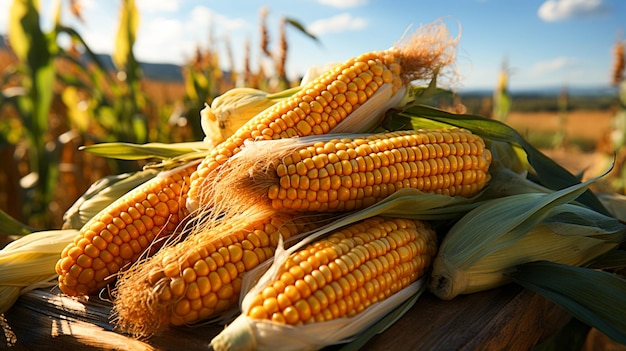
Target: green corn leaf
613, 260
297, 25
130, 151
25, 34
99, 73
594, 297
126, 34
549, 172
11, 226
588, 222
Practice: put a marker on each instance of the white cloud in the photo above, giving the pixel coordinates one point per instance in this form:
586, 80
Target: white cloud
339, 23
162, 40
343, 4
559, 10
202, 16
157, 5
557, 64
172, 39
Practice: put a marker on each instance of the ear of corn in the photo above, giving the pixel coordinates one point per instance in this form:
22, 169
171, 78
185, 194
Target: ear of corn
490, 241
326, 102
123, 231
353, 172
330, 289
28, 263
201, 276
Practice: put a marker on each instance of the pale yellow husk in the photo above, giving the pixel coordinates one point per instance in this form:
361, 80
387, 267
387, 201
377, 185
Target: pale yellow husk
28, 263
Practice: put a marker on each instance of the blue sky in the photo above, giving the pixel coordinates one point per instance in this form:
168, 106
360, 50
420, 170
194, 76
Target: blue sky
547, 43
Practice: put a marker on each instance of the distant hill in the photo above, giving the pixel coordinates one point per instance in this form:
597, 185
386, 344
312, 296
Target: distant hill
155, 71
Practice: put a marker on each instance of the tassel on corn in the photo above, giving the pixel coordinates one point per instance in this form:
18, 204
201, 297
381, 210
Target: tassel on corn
349, 98
326, 291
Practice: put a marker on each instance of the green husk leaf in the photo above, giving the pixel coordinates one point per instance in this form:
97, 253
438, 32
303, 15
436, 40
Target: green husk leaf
613, 260
404, 203
549, 172
595, 297
129, 151
498, 222
11, 226
585, 221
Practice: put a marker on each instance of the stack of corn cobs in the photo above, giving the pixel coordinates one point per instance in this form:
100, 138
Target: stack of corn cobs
309, 217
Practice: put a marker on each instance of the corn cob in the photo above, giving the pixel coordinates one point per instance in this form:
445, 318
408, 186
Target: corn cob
121, 232
338, 277
201, 276
378, 79
353, 173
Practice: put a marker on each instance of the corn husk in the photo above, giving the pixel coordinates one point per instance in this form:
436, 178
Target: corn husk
28, 263
247, 334
490, 241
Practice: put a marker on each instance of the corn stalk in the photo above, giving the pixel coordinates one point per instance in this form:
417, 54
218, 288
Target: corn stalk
35, 51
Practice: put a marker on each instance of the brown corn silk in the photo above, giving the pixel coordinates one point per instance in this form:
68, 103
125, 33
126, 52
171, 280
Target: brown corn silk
200, 277
325, 104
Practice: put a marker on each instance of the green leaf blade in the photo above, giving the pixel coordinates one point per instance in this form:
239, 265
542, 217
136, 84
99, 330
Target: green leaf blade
594, 297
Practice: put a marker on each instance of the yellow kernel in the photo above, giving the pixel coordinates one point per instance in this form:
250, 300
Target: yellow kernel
258, 312
291, 315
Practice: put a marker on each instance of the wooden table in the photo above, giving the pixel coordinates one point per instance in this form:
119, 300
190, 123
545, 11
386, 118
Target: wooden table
507, 318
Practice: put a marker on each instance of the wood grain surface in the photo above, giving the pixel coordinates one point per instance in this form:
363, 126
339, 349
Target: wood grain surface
507, 318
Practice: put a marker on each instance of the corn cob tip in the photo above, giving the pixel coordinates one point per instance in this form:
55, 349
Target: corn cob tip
446, 282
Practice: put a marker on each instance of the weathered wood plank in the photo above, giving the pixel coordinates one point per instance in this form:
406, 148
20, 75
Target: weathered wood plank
507, 318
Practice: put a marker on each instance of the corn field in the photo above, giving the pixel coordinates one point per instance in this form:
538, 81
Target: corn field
55, 100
